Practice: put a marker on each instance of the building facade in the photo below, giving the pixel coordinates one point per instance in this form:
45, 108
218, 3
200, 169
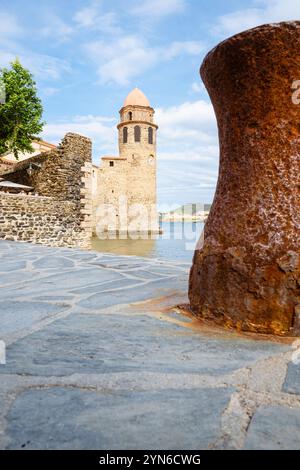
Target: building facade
8, 160
125, 192
39, 146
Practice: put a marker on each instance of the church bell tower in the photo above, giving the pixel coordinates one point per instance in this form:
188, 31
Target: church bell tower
137, 143
126, 184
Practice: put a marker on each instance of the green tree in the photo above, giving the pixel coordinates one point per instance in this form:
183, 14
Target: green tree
20, 112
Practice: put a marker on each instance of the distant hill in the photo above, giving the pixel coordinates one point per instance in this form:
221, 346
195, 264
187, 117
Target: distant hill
191, 211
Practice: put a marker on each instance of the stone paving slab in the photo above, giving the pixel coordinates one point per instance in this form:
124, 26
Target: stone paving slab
16, 316
274, 428
75, 419
105, 343
292, 382
106, 299
99, 357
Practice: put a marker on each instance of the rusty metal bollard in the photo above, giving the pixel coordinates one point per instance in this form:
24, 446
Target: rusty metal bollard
246, 274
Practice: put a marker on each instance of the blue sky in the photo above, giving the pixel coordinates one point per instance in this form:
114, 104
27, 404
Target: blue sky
86, 55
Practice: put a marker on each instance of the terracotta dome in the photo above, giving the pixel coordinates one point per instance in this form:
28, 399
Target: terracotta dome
136, 98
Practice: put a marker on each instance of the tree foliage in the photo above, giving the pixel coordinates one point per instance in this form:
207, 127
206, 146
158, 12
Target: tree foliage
20, 112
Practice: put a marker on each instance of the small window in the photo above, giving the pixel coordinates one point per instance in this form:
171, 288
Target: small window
125, 135
150, 135
130, 116
137, 134
111, 164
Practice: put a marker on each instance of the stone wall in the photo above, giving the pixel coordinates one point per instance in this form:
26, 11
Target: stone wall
41, 220
64, 206
138, 114
5, 166
112, 184
131, 178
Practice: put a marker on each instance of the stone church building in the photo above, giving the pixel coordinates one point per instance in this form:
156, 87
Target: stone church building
57, 197
124, 186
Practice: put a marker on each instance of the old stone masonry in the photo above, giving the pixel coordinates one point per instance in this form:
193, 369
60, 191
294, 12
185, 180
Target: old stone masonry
98, 357
124, 186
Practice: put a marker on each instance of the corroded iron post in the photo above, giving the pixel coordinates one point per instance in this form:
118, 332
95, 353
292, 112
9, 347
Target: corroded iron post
246, 274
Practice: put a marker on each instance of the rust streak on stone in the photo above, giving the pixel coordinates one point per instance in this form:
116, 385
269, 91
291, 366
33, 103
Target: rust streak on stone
211, 329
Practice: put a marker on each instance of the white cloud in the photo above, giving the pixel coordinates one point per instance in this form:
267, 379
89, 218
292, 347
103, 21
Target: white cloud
282, 9
93, 17
91, 118
9, 25
205, 154
186, 181
122, 60
102, 130
158, 8
56, 28
50, 91
188, 138
263, 11
191, 120
184, 47
235, 22
197, 87
127, 57
43, 67
86, 16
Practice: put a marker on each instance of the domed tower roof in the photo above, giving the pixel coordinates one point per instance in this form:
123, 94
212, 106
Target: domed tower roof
136, 98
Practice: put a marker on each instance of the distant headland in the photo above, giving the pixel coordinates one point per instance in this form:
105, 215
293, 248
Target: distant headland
192, 212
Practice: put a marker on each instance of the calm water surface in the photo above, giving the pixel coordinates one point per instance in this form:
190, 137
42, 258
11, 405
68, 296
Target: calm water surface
177, 242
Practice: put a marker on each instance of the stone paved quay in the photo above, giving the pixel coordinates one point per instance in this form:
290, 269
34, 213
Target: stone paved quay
99, 358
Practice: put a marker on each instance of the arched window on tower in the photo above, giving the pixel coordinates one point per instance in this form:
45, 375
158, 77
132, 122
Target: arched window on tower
125, 135
137, 134
150, 135
130, 116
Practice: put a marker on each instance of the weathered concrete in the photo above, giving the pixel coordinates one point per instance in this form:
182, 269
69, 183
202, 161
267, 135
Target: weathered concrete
98, 358
246, 275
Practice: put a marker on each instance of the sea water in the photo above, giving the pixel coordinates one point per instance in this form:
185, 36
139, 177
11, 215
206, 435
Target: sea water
177, 242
